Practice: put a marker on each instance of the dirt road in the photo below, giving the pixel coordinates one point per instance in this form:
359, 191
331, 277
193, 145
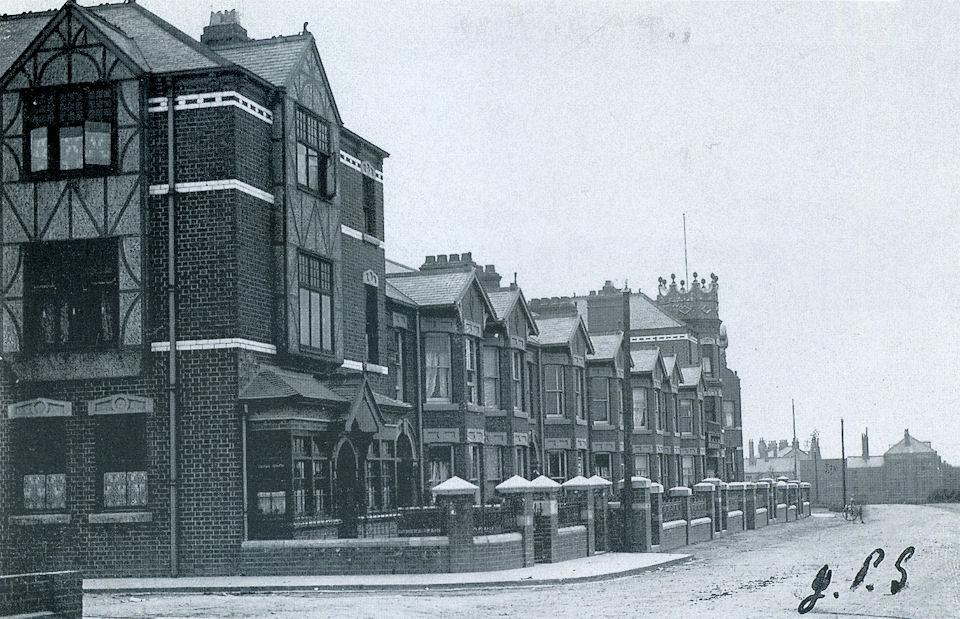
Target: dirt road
760, 574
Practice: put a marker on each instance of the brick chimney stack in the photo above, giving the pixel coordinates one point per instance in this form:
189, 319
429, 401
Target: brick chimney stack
489, 278
865, 441
224, 29
753, 456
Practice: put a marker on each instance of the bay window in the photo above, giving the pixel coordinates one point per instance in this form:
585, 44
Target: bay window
491, 376
686, 416
639, 407
437, 352
517, 369
553, 387
578, 392
470, 367
600, 399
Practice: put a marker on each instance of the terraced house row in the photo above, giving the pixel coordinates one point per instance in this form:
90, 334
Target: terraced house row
204, 344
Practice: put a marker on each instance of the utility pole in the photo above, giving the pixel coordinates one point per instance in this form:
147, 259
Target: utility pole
686, 269
843, 463
626, 499
796, 444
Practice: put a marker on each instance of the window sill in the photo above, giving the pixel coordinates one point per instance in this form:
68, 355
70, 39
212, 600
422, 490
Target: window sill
581, 422
603, 425
475, 408
558, 420
520, 414
493, 411
40, 519
119, 517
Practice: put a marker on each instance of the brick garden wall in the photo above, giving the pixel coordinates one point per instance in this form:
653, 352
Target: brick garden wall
56, 592
571, 543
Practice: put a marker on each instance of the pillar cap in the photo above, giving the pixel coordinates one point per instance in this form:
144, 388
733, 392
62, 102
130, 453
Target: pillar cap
680, 491
804, 484
577, 483
455, 487
783, 478
763, 483
515, 485
769, 480
656, 488
544, 484
782, 484
793, 484
737, 485
716, 481
749, 485
636, 482
600, 482
704, 486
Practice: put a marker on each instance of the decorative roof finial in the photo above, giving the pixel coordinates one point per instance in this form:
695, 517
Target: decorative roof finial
305, 31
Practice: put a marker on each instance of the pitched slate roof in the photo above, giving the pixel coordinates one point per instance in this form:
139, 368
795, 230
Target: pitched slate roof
147, 39
276, 383
644, 314
17, 32
383, 400
606, 346
431, 289
690, 376
272, 59
557, 330
644, 360
910, 445
502, 301
166, 47
394, 293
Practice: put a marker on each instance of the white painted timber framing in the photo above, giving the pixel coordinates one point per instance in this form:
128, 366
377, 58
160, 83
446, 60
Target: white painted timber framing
213, 99
220, 185
219, 344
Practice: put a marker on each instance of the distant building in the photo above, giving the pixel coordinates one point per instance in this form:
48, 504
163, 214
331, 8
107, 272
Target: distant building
910, 471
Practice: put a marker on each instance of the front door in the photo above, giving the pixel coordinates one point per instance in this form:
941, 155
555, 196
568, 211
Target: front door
347, 490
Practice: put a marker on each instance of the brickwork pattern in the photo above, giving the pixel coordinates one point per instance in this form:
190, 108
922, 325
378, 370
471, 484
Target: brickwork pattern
55, 592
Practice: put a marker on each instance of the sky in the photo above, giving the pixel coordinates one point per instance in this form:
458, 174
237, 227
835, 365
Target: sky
814, 147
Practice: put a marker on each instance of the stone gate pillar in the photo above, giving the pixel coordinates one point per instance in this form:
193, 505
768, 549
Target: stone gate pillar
640, 521
519, 495
456, 497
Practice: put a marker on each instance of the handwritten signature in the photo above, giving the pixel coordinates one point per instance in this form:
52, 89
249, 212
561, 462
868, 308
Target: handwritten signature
823, 577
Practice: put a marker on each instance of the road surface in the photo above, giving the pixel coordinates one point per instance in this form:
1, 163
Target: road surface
762, 574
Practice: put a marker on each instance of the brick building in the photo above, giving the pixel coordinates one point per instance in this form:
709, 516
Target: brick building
203, 344
909, 471
124, 137
687, 416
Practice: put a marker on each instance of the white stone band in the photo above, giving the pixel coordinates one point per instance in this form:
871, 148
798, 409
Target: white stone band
213, 99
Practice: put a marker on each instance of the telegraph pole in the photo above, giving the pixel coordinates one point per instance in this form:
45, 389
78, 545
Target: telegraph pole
843, 463
626, 498
796, 445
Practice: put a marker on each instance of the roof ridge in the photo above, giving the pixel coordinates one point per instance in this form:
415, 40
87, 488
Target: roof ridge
274, 39
182, 36
27, 14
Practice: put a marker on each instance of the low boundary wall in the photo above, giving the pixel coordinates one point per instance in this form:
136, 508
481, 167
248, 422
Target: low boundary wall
58, 593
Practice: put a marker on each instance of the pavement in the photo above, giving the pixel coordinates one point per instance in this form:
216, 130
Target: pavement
605, 566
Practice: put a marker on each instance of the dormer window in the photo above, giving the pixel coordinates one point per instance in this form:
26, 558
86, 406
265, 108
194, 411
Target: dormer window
315, 170
70, 131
